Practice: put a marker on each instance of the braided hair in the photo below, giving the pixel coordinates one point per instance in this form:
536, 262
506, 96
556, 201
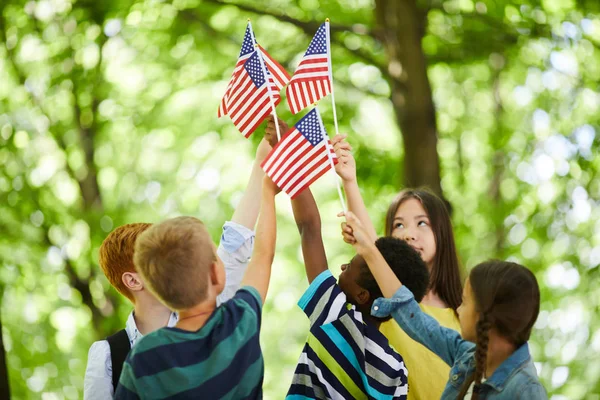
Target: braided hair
482, 329
499, 288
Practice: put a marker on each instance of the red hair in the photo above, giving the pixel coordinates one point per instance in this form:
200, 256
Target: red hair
116, 255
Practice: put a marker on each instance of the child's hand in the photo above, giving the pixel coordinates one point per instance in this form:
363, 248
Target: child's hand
346, 166
355, 234
271, 132
269, 186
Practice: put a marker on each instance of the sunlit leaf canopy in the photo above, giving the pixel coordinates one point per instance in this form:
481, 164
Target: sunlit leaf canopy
108, 116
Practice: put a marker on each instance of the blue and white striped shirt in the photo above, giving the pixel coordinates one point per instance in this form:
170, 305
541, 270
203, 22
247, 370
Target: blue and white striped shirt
344, 357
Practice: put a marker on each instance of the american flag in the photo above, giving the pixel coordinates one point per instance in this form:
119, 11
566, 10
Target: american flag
278, 76
248, 103
311, 81
301, 157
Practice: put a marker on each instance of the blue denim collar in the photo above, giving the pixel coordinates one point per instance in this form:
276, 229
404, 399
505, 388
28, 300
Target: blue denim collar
508, 367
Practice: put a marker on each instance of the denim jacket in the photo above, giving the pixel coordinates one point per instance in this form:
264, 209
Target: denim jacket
515, 378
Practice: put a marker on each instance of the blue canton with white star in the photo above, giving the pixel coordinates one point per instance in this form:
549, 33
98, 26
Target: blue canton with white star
310, 127
318, 45
253, 68
247, 45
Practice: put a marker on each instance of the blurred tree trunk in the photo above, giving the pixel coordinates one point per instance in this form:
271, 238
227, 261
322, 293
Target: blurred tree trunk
402, 26
497, 142
4, 388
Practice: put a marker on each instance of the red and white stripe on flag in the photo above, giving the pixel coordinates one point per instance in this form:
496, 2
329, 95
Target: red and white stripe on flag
300, 158
311, 81
279, 74
245, 52
279, 77
248, 103
223, 105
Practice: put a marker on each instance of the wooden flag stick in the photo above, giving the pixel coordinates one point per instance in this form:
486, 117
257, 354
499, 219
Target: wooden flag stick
327, 34
331, 164
268, 82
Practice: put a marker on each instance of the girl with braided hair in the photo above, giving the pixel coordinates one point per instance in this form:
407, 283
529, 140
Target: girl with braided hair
501, 301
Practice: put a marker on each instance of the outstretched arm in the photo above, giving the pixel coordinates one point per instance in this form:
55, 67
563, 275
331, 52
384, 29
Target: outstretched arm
346, 169
246, 212
355, 233
237, 240
306, 214
308, 220
258, 272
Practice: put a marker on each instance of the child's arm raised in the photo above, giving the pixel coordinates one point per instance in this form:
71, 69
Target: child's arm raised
306, 214
400, 302
346, 169
237, 240
258, 272
308, 220
246, 211
356, 234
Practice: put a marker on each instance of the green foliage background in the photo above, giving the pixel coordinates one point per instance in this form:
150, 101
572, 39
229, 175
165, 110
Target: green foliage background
108, 116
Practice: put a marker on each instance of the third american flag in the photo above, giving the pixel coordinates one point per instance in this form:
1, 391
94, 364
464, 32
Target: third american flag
301, 157
312, 79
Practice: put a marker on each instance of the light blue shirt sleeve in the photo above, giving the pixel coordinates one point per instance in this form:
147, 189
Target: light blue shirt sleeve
235, 249
445, 342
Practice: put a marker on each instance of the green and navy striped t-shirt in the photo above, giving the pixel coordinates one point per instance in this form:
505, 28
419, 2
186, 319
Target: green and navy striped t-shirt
344, 358
222, 360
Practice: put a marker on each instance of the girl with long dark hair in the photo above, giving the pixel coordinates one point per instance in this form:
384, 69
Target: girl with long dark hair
421, 219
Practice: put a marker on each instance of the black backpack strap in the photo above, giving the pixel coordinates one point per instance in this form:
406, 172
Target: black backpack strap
119, 348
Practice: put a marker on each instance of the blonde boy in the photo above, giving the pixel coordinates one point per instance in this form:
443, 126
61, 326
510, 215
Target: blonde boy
105, 359
212, 351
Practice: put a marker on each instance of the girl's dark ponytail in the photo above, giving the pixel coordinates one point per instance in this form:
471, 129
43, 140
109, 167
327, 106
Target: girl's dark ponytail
483, 328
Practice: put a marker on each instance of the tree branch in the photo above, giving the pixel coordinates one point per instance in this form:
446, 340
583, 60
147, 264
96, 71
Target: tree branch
309, 27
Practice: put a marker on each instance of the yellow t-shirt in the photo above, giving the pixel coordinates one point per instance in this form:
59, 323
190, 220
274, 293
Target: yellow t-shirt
427, 373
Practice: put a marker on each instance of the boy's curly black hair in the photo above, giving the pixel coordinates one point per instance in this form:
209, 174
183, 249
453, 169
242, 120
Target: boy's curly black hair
405, 262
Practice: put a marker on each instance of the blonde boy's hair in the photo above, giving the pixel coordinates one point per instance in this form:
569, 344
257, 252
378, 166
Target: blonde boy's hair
174, 258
